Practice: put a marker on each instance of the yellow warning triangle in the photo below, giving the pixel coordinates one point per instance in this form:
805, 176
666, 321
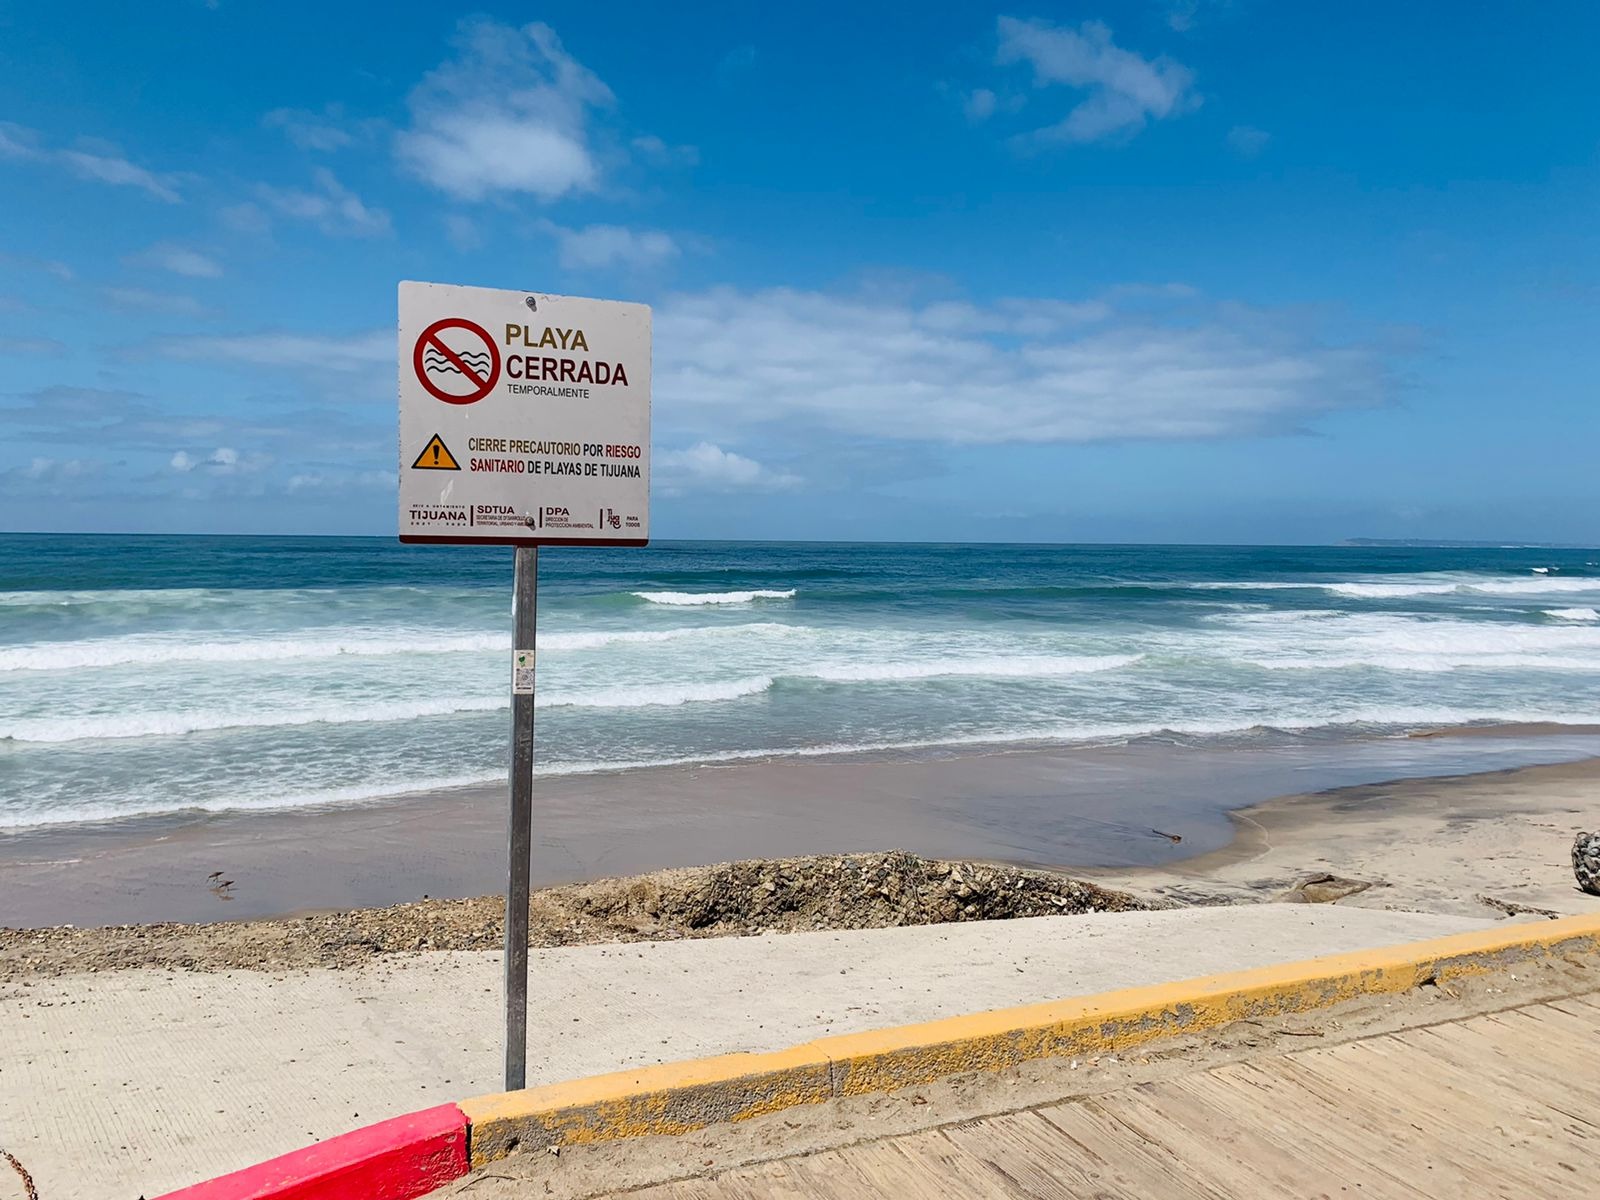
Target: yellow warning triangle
436, 456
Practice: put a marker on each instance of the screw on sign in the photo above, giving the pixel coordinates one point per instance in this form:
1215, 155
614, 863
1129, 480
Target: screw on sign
456, 361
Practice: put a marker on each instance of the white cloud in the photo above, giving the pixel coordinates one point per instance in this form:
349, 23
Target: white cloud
18, 141
90, 160
180, 260
142, 300
224, 460
55, 468
115, 169
980, 105
48, 476
313, 352
309, 130
246, 217
1247, 141
1137, 362
1184, 15
50, 266
705, 467
600, 246
510, 113
332, 207
653, 150
1122, 90
1155, 365
31, 345
339, 481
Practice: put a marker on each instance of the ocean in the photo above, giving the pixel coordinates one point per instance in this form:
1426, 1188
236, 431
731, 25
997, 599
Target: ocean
147, 675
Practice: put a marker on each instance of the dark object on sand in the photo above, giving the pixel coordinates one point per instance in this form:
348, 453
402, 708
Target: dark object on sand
1512, 909
22, 1173
1323, 889
1586, 862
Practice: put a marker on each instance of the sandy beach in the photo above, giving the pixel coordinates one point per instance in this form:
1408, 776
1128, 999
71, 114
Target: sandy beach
1492, 842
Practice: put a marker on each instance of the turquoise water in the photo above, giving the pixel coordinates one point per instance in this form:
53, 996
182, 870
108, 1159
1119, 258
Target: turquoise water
159, 674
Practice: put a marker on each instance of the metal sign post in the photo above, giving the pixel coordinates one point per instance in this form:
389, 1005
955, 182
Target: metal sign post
524, 421
524, 620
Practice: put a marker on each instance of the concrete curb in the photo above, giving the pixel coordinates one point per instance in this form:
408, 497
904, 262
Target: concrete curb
680, 1097
411, 1155
397, 1159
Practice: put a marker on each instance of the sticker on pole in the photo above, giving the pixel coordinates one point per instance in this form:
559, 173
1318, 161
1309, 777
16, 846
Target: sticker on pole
524, 418
522, 663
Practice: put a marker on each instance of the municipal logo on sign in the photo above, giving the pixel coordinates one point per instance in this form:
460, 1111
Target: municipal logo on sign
456, 361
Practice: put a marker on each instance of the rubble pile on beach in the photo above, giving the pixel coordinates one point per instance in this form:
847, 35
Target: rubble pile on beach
1586, 861
854, 891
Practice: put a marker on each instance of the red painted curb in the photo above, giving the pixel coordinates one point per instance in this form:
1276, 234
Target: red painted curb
397, 1159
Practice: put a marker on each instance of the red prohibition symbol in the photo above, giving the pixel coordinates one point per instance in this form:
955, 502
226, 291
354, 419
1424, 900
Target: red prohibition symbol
479, 369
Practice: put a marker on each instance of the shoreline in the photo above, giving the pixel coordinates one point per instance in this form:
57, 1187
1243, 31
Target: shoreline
141, 824
1106, 814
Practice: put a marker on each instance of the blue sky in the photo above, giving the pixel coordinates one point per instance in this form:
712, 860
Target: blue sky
1168, 271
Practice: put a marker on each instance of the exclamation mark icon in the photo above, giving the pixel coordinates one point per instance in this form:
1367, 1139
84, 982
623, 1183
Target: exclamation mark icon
436, 456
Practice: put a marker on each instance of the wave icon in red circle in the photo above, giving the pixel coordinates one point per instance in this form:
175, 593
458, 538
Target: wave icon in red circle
456, 361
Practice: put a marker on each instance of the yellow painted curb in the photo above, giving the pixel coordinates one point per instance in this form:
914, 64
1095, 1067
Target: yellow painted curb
679, 1097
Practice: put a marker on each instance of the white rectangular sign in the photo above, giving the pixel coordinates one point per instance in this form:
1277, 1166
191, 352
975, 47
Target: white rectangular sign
524, 418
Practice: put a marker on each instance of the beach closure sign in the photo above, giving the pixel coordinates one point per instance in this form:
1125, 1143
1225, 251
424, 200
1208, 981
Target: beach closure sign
524, 418
525, 422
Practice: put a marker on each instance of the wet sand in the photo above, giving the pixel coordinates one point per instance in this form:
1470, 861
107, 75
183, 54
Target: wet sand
1496, 843
1113, 808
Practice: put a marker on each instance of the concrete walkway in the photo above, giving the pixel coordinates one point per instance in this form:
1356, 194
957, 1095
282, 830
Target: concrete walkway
142, 1081
1504, 1105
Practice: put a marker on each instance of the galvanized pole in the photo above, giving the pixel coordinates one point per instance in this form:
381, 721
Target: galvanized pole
525, 589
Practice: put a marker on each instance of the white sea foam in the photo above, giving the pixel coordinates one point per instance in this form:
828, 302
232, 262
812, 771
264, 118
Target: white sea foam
1395, 717
1573, 614
97, 727
632, 637
1386, 591
151, 651
314, 644
1393, 643
652, 695
1242, 585
692, 598
1533, 587
1289, 616
177, 724
1428, 585
51, 599
1480, 586
1029, 666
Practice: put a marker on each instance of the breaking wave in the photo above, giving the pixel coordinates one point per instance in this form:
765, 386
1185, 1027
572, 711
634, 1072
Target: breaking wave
682, 599
1573, 614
